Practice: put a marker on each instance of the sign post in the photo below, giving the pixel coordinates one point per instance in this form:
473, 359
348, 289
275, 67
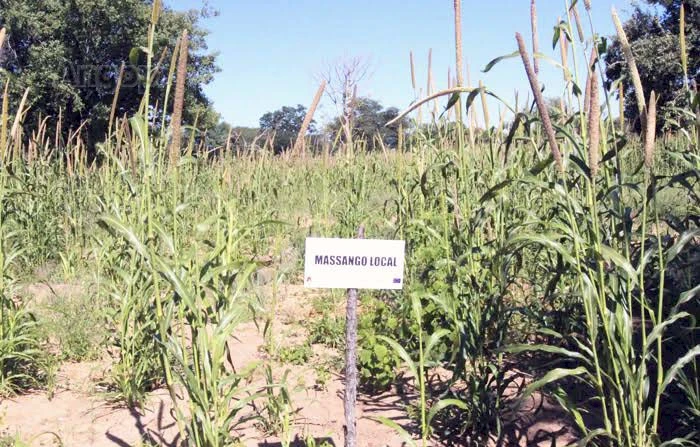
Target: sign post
350, 398
353, 264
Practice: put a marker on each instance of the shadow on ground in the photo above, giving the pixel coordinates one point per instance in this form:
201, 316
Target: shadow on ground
319, 442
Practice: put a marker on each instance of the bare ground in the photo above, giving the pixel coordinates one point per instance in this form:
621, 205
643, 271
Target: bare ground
79, 413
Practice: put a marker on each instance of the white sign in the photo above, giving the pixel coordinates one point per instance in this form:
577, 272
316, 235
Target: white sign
353, 263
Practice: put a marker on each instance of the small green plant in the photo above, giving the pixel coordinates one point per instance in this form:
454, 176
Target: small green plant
17, 440
329, 330
322, 377
311, 441
20, 348
418, 371
298, 354
376, 363
78, 324
275, 415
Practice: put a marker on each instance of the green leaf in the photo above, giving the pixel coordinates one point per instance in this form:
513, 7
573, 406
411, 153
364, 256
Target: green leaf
609, 254
680, 244
576, 89
134, 56
661, 327
552, 62
470, 99
380, 351
549, 240
552, 376
686, 297
452, 101
410, 364
434, 340
397, 428
556, 36
585, 442
491, 64
678, 366
441, 405
126, 233
516, 349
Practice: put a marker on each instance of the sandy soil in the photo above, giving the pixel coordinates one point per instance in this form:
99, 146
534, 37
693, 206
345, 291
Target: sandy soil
80, 415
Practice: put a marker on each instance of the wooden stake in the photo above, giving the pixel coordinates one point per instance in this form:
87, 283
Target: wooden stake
351, 363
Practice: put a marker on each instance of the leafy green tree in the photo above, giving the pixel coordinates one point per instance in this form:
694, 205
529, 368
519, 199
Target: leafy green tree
237, 139
69, 52
243, 137
216, 137
283, 126
653, 32
369, 120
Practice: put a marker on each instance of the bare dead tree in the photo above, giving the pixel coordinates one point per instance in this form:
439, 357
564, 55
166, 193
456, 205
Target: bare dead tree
342, 78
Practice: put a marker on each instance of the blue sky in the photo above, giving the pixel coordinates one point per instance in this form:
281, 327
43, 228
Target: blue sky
272, 51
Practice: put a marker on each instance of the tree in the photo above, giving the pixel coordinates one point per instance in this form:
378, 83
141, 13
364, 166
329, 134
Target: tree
369, 120
236, 139
654, 37
283, 125
69, 54
342, 80
216, 137
243, 137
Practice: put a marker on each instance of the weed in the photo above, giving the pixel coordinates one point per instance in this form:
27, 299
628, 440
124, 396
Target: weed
329, 330
275, 415
376, 363
298, 354
322, 377
78, 324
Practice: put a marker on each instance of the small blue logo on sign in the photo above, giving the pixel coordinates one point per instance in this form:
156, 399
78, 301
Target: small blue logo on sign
397, 281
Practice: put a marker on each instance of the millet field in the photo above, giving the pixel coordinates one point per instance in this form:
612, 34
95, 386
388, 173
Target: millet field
151, 291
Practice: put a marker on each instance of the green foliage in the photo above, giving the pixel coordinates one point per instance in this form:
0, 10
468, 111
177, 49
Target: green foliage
328, 330
369, 124
376, 362
16, 440
242, 139
20, 349
418, 371
69, 54
323, 376
587, 282
376, 365
298, 354
78, 324
282, 126
130, 285
310, 441
653, 32
21, 357
275, 415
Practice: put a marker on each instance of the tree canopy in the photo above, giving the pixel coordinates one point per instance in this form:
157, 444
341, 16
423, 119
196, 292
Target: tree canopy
283, 126
69, 53
653, 32
369, 120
